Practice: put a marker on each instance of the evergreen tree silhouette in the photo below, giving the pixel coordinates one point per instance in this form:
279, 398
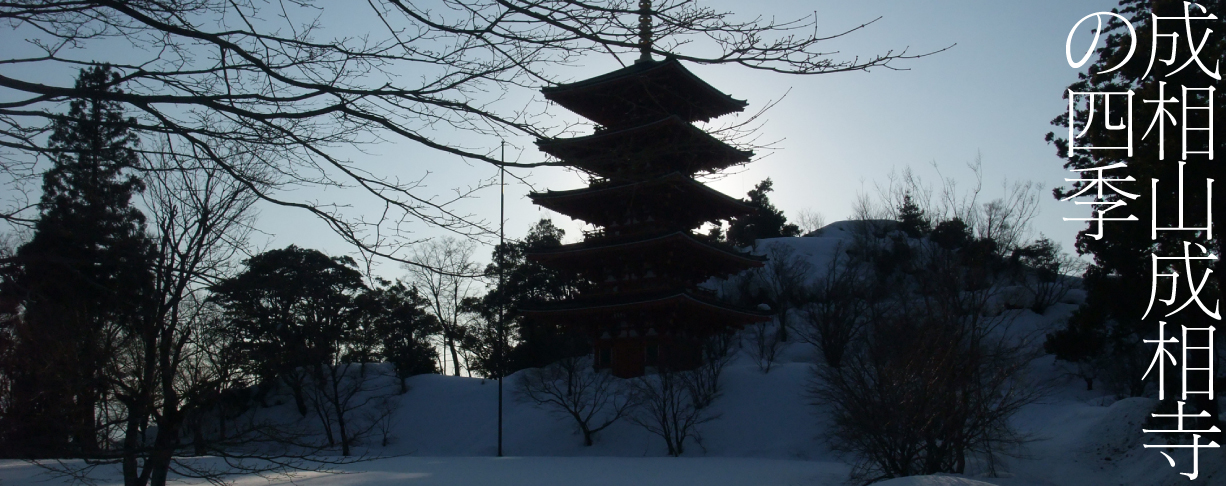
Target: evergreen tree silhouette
766, 222
80, 278
291, 309
911, 219
532, 344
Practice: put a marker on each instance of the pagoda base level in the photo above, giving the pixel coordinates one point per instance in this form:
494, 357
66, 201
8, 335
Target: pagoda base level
631, 334
631, 358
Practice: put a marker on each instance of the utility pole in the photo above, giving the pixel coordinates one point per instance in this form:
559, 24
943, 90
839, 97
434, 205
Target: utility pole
502, 196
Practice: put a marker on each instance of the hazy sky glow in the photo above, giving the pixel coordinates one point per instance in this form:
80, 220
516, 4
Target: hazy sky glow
993, 94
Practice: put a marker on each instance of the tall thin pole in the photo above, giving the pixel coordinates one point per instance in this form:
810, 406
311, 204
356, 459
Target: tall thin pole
502, 196
644, 31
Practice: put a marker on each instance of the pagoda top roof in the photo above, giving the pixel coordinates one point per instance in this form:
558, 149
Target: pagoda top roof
645, 90
599, 203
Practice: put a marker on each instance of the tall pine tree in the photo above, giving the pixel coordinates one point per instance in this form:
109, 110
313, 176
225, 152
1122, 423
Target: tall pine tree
79, 279
767, 222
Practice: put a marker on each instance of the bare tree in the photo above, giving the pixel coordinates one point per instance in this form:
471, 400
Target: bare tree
810, 222
765, 343
781, 285
717, 351
443, 280
670, 409
674, 404
231, 392
351, 400
836, 307
1048, 273
383, 416
784, 282
289, 82
200, 218
934, 379
170, 368
1004, 220
570, 387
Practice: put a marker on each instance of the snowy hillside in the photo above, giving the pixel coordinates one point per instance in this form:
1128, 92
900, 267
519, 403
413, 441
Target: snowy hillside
768, 431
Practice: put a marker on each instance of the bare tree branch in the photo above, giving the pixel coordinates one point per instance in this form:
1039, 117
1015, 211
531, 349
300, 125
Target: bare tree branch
450, 78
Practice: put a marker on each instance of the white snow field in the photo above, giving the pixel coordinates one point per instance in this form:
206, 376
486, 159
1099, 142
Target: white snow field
768, 433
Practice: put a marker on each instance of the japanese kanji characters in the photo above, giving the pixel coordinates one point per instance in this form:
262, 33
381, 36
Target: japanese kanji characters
1194, 47
1183, 284
1100, 204
1187, 356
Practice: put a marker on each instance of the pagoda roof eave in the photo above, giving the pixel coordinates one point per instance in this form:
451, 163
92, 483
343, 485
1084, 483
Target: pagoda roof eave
566, 202
619, 302
670, 177
683, 237
572, 150
670, 70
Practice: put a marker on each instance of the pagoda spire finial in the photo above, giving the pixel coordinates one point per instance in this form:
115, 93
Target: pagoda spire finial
644, 31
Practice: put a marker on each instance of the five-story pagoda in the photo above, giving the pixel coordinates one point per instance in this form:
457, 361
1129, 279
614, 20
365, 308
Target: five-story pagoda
645, 309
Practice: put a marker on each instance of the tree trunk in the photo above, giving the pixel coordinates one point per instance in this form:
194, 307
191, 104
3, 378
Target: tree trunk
455, 356
164, 445
221, 422
198, 441
340, 422
131, 469
295, 386
782, 336
338, 407
159, 464
85, 436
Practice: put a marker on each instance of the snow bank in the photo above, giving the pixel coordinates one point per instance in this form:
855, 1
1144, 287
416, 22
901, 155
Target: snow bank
941, 480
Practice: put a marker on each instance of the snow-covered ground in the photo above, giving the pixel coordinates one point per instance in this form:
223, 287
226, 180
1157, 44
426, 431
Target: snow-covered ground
531, 471
768, 433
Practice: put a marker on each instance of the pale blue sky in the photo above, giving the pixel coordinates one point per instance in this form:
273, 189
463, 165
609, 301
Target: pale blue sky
993, 94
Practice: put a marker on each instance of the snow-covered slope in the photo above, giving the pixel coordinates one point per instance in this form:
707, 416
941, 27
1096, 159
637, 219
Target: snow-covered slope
768, 432
759, 416
1079, 437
